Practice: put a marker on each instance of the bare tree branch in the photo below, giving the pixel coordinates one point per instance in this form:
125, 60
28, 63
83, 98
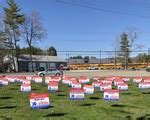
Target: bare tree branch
33, 31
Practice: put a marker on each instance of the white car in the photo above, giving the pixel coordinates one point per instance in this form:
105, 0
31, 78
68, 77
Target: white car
52, 72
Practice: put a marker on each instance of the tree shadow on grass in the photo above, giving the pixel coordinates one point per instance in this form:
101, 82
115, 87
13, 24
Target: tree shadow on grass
122, 111
145, 92
145, 117
55, 114
13, 88
126, 93
8, 107
35, 89
129, 117
117, 105
61, 95
87, 104
95, 98
5, 98
60, 91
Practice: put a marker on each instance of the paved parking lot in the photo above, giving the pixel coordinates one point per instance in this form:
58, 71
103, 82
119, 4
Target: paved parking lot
91, 73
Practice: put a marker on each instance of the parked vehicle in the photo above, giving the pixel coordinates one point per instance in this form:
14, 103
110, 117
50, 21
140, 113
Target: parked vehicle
66, 68
92, 68
148, 69
52, 72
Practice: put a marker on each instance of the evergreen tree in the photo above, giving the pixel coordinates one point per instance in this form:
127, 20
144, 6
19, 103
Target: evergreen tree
13, 20
124, 51
52, 51
34, 51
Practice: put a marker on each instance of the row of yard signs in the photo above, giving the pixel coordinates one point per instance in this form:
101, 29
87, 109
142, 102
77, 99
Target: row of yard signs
78, 87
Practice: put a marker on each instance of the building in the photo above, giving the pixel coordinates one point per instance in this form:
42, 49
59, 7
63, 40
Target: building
75, 61
39, 61
89, 61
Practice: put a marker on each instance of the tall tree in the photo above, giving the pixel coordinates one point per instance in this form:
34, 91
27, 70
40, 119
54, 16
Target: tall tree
13, 19
3, 52
128, 44
3, 39
124, 49
33, 31
52, 51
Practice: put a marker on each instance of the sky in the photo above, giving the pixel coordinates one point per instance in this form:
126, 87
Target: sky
73, 28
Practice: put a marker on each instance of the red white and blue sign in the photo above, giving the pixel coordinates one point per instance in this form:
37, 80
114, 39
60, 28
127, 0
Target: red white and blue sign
122, 86
47, 79
105, 86
51, 79
146, 79
111, 95
66, 80
25, 81
76, 84
76, 94
84, 79
107, 81
3, 82
29, 78
110, 78
118, 81
37, 79
19, 79
137, 79
53, 86
144, 85
96, 84
39, 101
96, 78
11, 79
125, 79
25, 87
88, 89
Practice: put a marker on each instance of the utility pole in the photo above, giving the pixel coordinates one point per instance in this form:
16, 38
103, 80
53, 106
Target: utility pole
100, 58
148, 56
115, 60
47, 57
68, 59
125, 60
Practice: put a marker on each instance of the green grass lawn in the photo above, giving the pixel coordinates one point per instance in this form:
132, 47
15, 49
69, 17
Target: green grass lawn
133, 104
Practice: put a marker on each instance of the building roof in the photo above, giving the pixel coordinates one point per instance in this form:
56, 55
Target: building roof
76, 61
41, 58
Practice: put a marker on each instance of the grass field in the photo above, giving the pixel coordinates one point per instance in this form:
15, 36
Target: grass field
133, 104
